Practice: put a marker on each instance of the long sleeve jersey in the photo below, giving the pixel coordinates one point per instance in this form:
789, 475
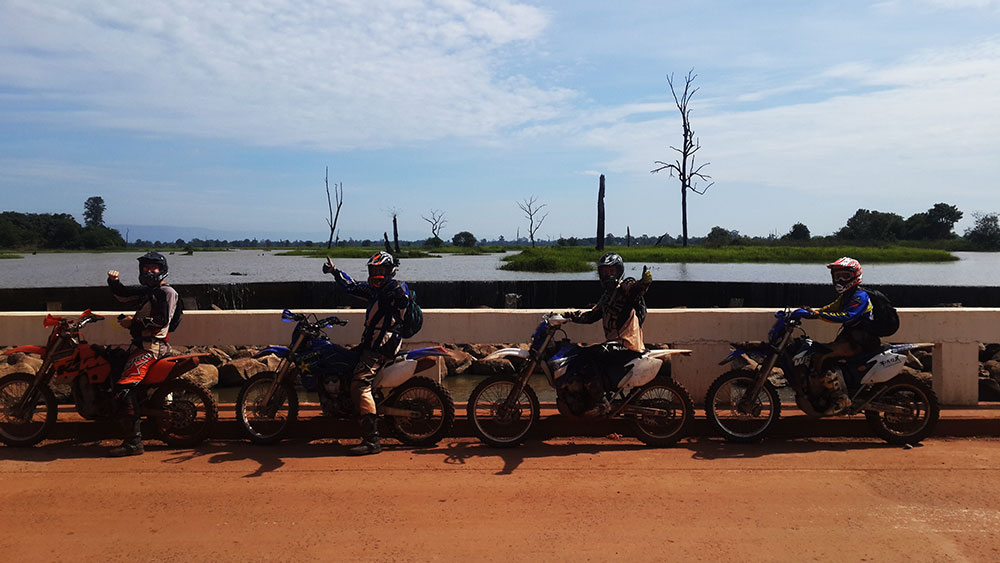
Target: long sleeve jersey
850, 309
154, 309
616, 308
386, 306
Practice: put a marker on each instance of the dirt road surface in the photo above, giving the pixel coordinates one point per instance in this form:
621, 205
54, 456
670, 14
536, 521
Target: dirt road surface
584, 499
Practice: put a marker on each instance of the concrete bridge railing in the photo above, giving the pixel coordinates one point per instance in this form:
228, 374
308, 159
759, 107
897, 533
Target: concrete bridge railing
956, 332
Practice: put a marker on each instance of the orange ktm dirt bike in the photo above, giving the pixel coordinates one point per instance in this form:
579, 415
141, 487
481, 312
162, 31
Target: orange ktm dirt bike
181, 411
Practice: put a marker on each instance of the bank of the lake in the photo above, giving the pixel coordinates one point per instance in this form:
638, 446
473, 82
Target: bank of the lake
581, 259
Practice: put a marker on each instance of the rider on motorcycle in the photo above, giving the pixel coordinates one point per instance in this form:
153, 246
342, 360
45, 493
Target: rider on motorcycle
622, 309
388, 299
155, 303
853, 309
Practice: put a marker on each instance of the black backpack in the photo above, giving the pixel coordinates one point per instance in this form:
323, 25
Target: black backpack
413, 318
640, 310
175, 321
885, 318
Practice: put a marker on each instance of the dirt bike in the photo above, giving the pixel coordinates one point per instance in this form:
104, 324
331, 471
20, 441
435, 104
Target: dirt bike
417, 409
504, 408
182, 411
743, 404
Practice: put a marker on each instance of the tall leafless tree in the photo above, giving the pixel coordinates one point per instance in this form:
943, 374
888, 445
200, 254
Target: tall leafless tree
338, 190
688, 172
531, 209
437, 222
600, 214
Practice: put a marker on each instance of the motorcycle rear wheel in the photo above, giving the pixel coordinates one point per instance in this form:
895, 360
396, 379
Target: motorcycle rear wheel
660, 431
30, 427
489, 421
436, 408
187, 412
736, 424
921, 401
266, 425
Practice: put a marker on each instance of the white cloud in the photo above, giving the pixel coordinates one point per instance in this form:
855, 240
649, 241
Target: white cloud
331, 75
924, 127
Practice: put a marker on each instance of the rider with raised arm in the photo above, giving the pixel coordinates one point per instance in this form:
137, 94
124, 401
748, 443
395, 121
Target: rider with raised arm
622, 310
155, 303
853, 310
387, 299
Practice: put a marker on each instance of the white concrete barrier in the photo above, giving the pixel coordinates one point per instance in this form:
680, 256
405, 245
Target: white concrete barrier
956, 332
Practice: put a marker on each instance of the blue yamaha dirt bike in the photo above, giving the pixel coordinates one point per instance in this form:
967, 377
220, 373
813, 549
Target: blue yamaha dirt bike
416, 408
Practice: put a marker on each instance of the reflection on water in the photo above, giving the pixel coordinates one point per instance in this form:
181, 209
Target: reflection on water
248, 266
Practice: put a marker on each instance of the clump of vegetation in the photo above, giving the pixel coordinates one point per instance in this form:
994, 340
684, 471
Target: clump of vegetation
549, 259
581, 259
352, 252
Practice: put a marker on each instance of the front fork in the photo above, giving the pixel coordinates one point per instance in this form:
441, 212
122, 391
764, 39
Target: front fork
750, 398
279, 377
42, 379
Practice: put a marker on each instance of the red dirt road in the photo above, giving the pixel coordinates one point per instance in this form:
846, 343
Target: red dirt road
569, 499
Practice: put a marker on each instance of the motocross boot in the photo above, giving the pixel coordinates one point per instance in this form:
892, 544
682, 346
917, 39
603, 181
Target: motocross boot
369, 437
132, 444
833, 380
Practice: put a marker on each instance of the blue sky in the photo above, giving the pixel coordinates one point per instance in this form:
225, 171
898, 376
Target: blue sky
224, 115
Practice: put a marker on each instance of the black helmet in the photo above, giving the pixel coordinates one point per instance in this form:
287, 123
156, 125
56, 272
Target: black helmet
381, 268
150, 278
610, 270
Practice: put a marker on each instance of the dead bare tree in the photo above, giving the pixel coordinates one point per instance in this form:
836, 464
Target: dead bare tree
600, 214
338, 190
687, 171
437, 222
531, 209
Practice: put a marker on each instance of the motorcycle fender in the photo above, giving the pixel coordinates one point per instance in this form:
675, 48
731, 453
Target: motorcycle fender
644, 369
394, 375
171, 367
29, 349
503, 353
886, 366
280, 351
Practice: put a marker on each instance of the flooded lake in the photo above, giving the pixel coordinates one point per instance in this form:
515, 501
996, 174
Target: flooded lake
249, 266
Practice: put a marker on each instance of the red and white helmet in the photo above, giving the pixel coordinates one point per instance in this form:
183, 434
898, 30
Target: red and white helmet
381, 268
846, 274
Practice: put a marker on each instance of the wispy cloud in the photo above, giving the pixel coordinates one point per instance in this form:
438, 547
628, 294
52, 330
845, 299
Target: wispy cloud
332, 75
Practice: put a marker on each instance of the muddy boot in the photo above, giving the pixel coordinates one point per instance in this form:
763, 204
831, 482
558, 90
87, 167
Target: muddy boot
369, 437
833, 380
132, 444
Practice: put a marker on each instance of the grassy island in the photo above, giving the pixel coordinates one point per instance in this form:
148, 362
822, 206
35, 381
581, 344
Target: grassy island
580, 259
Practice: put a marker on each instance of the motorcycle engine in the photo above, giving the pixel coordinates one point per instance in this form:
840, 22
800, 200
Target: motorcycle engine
93, 402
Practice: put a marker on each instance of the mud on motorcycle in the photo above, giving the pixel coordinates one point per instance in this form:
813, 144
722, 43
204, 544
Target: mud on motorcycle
182, 411
743, 404
417, 409
504, 408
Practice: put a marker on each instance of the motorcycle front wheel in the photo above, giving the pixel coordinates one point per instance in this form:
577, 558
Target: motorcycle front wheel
676, 408
27, 427
495, 424
736, 416
183, 412
266, 423
433, 407
920, 411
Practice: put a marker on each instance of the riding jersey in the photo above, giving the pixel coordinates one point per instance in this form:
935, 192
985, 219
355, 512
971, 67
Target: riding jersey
617, 308
386, 306
850, 309
155, 308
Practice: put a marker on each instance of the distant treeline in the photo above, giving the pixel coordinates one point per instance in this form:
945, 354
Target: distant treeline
54, 231
930, 229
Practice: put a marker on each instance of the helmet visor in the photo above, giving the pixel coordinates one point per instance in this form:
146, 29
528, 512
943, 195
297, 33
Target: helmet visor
605, 272
842, 276
379, 274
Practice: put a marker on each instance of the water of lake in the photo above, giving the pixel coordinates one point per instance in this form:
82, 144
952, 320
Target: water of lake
90, 269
